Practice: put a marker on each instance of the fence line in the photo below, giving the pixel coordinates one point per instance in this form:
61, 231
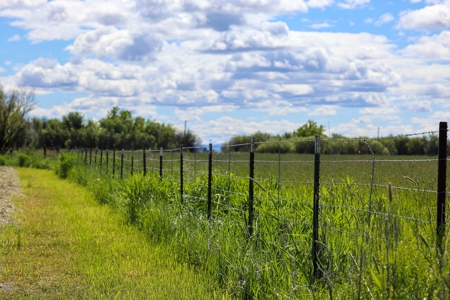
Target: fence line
187, 172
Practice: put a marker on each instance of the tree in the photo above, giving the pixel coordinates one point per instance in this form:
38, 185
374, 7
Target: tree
188, 139
242, 142
73, 121
14, 108
309, 129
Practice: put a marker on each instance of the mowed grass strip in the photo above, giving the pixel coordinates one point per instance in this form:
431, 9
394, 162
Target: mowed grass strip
67, 246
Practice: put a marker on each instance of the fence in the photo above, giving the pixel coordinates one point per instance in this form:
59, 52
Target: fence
358, 211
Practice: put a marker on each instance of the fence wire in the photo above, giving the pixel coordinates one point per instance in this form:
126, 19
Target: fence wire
367, 199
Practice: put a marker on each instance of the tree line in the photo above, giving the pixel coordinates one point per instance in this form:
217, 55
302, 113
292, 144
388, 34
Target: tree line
119, 129
301, 141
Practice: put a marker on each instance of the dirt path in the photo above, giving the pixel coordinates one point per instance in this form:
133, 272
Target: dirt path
9, 187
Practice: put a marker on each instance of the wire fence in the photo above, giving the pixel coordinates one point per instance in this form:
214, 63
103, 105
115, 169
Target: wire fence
360, 209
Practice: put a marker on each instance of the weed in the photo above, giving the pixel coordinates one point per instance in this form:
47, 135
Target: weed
66, 163
23, 160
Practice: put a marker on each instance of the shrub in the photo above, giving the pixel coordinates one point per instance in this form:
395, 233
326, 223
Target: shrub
24, 160
2, 161
66, 163
275, 147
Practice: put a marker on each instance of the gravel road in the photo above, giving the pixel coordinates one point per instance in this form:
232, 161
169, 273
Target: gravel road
9, 187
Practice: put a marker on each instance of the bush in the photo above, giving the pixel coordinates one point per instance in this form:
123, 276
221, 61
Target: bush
2, 161
275, 147
24, 160
66, 163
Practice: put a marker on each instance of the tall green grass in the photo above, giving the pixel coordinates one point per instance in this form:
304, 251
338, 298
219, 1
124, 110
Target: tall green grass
374, 243
29, 158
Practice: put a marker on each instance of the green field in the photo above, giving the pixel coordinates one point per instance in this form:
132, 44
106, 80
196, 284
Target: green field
372, 243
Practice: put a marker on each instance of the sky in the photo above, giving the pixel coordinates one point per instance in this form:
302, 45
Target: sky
229, 67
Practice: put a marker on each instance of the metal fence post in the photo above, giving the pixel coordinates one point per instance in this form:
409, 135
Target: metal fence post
442, 177
121, 165
107, 160
171, 163
132, 162
315, 237
161, 163
195, 163
114, 163
101, 159
95, 158
181, 173
144, 161
209, 180
229, 168
45, 151
90, 157
250, 189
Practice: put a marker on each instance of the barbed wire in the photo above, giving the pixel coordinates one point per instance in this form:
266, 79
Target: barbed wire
383, 214
139, 165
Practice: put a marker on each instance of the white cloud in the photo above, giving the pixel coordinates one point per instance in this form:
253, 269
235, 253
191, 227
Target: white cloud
385, 18
157, 9
294, 89
324, 110
351, 4
320, 25
364, 127
319, 3
302, 69
194, 113
430, 17
64, 20
278, 107
5, 4
14, 38
436, 90
265, 35
417, 106
285, 110
435, 47
424, 74
431, 122
2, 70
118, 44
378, 111
221, 129
443, 103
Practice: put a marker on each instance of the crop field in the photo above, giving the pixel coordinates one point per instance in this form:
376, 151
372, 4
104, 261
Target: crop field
376, 220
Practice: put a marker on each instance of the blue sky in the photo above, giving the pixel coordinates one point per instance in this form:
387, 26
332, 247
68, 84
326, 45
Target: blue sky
235, 67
